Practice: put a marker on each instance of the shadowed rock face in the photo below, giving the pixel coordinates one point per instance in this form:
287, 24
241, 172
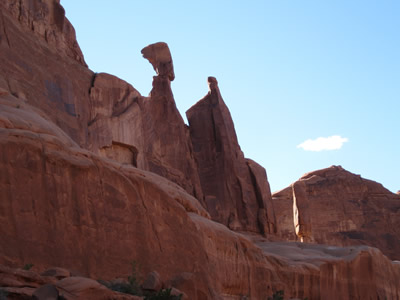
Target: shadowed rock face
333, 206
45, 19
236, 191
41, 63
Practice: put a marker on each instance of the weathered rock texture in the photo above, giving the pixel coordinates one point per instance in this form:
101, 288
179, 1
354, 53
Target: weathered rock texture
159, 56
41, 63
333, 206
282, 203
236, 191
146, 132
22, 284
46, 20
62, 205
93, 212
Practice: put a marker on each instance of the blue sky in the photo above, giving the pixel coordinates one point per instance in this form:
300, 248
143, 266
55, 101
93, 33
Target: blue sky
289, 71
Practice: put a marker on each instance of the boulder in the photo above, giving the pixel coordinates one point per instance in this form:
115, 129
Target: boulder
19, 278
152, 282
46, 292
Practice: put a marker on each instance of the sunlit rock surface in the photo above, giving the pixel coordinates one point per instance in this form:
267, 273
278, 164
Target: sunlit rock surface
81, 156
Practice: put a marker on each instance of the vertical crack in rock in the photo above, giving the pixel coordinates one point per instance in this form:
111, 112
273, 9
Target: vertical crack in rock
230, 196
296, 219
301, 215
20, 10
4, 30
92, 82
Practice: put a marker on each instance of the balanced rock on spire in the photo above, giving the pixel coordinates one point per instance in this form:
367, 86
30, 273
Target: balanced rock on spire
159, 56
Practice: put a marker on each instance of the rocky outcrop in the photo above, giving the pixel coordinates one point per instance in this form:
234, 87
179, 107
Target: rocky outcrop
266, 214
65, 206
282, 203
159, 56
46, 19
146, 132
236, 191
324, 272
72, 197
41, 63
59, 203
24, 284
333, 206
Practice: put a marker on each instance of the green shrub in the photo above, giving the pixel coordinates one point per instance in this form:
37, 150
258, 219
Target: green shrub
131, 287
163, 295
135, 278
27, 267
277, 296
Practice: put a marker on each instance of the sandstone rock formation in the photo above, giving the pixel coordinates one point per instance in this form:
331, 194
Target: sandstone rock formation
72, 197
41, 63
23, 284
62, 205
146, 132
236, 191
46, 19
333, 206
159, 56
282, 203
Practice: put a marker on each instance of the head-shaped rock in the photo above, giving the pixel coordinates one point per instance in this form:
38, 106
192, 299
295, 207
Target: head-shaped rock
212, 83
159, 56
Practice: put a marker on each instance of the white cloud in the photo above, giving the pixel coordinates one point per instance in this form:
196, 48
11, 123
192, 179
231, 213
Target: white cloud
333, 142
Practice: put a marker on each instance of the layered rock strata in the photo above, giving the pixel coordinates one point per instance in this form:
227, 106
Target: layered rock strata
236, 190
62, 205
42, 64
333, 206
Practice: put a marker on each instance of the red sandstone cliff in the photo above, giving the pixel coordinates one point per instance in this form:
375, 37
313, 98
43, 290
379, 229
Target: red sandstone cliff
236, 191
333, 206
71, 195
